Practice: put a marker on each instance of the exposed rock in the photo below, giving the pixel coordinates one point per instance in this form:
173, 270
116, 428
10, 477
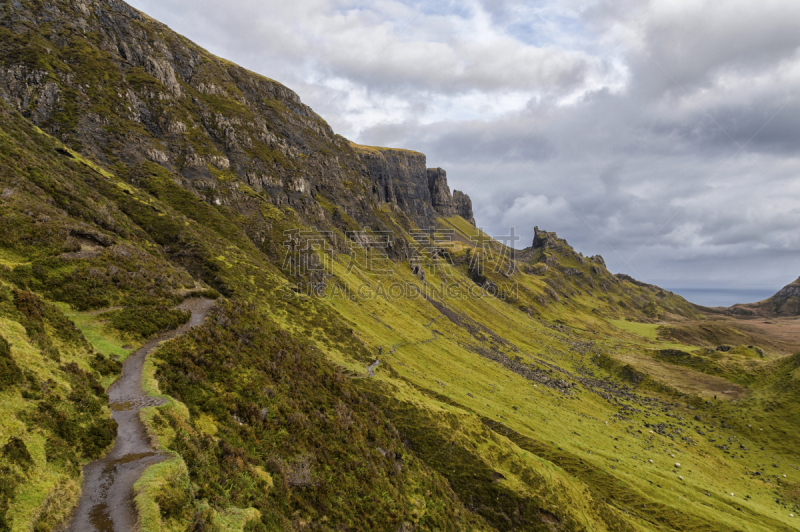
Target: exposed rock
158, 156
545, 240
93, 236
400, 177
30, 92
538, 269
463, 205
792, 290
441, 199
163, 72
419, 271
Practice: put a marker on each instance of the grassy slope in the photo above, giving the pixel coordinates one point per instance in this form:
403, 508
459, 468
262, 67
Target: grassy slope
228, 466
437, 385
559, 463
54, 416
454, 432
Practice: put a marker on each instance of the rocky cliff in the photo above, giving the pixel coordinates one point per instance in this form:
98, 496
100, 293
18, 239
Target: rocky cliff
444, 203
463, 205
124, 88
441, 198
400, 177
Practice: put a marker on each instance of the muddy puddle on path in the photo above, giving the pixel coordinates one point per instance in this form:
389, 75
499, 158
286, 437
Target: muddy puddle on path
106, 503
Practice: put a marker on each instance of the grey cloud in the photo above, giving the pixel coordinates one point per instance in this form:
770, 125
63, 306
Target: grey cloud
697, 41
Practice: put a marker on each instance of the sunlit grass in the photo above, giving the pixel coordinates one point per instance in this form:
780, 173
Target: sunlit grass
95, 329
583, 425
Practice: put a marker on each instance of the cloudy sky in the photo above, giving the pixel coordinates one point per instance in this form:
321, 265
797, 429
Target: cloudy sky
662, 134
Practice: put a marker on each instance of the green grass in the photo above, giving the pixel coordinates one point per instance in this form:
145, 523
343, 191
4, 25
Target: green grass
10, 260
650, 332
49, 487
645, 330
94, 327
167, 477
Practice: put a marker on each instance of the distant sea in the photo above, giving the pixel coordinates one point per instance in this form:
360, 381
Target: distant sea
723, 297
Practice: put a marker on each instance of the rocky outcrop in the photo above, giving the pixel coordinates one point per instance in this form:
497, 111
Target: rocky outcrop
545, 247
545, 240
463, 205
400, 177
598, 259
445, 204
792, 290
441, 199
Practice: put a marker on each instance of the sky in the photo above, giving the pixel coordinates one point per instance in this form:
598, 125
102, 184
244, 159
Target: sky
660, 134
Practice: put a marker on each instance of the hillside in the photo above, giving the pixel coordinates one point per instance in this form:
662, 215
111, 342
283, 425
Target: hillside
784, 303
516, 389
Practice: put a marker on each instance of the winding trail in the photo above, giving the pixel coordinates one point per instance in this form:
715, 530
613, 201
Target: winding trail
371, 369
106, 503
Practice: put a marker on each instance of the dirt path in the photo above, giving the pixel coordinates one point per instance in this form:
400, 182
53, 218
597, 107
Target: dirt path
371, 369
106, 503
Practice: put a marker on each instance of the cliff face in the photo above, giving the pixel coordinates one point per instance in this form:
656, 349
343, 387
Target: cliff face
463, 205
124, 88
444, 203
400, 177
441, 199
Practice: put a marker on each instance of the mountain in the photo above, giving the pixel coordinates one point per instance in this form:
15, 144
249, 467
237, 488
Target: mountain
514, 389
114, 84
784, 303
